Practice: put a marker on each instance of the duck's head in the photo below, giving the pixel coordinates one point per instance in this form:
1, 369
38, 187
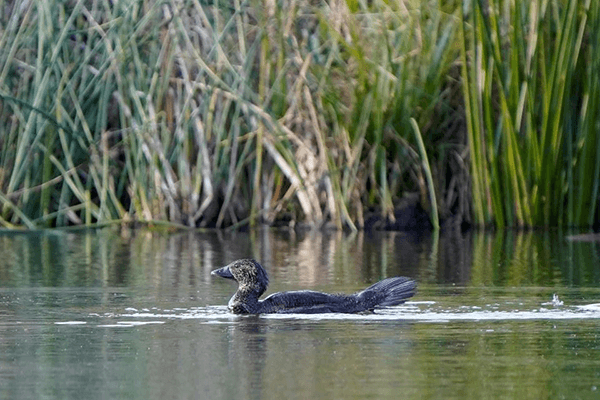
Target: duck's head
249, 274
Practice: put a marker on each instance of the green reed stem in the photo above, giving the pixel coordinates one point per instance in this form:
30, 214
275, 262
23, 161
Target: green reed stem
435, 221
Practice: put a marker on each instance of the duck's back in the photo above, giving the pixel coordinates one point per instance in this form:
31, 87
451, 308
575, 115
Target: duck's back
388, 292
308, 302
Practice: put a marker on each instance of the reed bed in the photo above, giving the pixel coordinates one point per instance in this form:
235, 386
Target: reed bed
221, 113
531, 84
228, 113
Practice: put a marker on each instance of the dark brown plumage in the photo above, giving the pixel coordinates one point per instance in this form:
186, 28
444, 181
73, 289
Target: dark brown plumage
253, 281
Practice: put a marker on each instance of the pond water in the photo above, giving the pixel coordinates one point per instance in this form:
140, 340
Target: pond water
136, 314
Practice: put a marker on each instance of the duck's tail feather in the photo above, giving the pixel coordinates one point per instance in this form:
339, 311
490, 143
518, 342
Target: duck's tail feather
388, 292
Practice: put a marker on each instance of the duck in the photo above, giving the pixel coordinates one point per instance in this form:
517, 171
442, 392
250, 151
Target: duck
253, 280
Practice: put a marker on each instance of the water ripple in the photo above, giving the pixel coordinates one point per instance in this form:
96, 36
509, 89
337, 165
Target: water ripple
426, 311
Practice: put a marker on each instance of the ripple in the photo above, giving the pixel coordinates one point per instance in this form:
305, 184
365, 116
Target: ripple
129, 324
590, 307
414, 311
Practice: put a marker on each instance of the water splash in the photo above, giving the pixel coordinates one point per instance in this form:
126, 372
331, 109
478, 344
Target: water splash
556, 302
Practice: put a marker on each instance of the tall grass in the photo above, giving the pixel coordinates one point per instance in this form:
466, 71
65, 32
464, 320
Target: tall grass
531, 83
226, 113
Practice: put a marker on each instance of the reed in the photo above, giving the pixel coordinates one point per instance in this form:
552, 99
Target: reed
530, 73
232, 113
219, 114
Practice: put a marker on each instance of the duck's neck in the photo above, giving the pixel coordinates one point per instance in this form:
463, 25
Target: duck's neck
244, 301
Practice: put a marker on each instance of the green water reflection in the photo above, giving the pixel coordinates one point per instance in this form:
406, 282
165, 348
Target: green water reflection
68, 329
113, 257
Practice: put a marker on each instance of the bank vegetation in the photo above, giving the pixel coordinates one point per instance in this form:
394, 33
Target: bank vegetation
228, 113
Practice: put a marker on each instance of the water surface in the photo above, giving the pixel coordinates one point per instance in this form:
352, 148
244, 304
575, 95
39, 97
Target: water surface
136, 314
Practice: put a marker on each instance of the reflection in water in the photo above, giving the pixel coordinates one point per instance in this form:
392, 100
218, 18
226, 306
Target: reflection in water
115, 258
247, 348
136, 314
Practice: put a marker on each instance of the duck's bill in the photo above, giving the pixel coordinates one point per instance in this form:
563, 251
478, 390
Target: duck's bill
223, 273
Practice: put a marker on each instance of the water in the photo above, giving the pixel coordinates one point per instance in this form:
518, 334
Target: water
135, 314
